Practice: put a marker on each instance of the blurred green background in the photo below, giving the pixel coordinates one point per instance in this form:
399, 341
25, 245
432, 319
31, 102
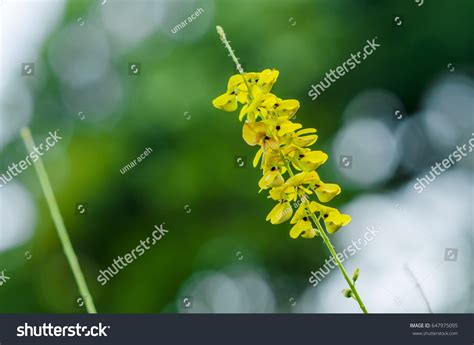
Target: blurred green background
168, 108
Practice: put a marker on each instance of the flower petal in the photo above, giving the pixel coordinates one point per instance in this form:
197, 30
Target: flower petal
336, 220
312, 160
257, 157
287, 108
300, 227
288, 127
238, 79
271, 179
301, 211
305, 141
253, 132
266, 80
310, 233
327, 191
225, 102
306, 131
280, 213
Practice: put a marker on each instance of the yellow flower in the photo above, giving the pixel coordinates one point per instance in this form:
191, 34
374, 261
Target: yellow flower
226, 102
283, 192
333, 219
238, 88
287, 127
255, 108
254, 132
239, 84
277, 107
266, 79
280, 213
283, 144
286, 108
272, 178
303, 178
310, 160
268, 106
324, 191
303, 225
301, 212
237, 81
327, 191
270, 157
305, 137
289, 189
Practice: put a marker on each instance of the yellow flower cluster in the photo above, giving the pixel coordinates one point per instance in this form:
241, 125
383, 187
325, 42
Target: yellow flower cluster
283, 146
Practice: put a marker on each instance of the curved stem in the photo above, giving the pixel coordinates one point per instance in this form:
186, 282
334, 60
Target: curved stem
59, 223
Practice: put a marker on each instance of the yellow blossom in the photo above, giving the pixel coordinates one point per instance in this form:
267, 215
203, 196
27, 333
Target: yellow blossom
333, 219
272, 178
282, 144
280, 213
240, 87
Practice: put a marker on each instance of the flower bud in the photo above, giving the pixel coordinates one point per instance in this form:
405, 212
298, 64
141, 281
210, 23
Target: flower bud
355, 275
347, 293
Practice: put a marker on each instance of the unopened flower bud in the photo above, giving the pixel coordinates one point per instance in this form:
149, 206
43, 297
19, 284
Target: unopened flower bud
347, 293
355, 275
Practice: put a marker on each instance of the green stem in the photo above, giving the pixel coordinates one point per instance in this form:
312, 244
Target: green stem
59, 223
287, 165
226, 43
328, 243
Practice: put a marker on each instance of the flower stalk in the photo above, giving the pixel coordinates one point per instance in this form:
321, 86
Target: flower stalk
59, 224
329, 245
282, 145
